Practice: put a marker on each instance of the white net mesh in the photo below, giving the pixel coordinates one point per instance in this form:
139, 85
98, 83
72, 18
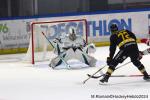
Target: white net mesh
39, 47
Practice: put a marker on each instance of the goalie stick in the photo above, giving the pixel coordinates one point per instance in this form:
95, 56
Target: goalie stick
68, 66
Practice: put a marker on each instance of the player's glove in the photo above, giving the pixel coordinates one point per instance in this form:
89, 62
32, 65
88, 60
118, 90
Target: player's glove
140, 55
109, 60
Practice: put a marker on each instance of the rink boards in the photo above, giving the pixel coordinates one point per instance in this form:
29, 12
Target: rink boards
15, 32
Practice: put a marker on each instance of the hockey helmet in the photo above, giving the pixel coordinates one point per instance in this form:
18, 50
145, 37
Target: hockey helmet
72, 30
113, 28
72, 34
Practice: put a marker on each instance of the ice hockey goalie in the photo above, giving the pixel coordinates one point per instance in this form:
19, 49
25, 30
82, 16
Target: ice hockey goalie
72, 46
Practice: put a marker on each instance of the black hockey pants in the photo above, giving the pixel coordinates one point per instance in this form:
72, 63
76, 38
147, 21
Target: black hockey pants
129, 51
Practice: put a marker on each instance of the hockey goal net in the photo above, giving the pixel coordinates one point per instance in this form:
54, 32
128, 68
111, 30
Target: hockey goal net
39, 47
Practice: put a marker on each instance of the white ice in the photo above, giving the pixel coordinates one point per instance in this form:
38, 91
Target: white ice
21, 81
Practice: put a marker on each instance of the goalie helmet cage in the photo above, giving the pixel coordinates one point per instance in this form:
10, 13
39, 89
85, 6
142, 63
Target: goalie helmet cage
38, 31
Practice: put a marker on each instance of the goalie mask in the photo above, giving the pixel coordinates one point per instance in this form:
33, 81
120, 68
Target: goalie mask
72, 34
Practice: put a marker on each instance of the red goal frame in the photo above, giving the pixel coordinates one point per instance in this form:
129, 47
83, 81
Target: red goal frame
42, 22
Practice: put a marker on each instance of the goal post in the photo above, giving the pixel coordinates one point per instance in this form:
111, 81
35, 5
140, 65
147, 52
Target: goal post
39, 49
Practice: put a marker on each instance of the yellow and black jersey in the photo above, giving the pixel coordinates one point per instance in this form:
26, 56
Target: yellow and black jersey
121, 39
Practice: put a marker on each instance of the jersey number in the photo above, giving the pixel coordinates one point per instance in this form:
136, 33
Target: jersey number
124, 35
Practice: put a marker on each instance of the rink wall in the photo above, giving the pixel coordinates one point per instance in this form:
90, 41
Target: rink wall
15, 32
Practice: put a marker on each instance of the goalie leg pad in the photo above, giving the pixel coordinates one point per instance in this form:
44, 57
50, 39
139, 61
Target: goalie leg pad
90, 48
69, 54
85, 58
55, 62
92, 61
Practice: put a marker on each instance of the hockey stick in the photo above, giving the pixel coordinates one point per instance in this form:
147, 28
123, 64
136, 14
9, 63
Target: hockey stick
127, 75
68, 66
95, 77
92, 76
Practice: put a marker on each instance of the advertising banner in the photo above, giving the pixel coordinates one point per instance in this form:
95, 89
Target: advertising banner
15, 34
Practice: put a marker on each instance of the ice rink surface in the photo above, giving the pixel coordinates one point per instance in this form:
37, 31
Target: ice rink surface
22, 81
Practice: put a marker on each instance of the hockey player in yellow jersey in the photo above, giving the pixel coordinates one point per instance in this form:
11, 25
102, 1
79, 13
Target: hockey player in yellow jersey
126, 41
